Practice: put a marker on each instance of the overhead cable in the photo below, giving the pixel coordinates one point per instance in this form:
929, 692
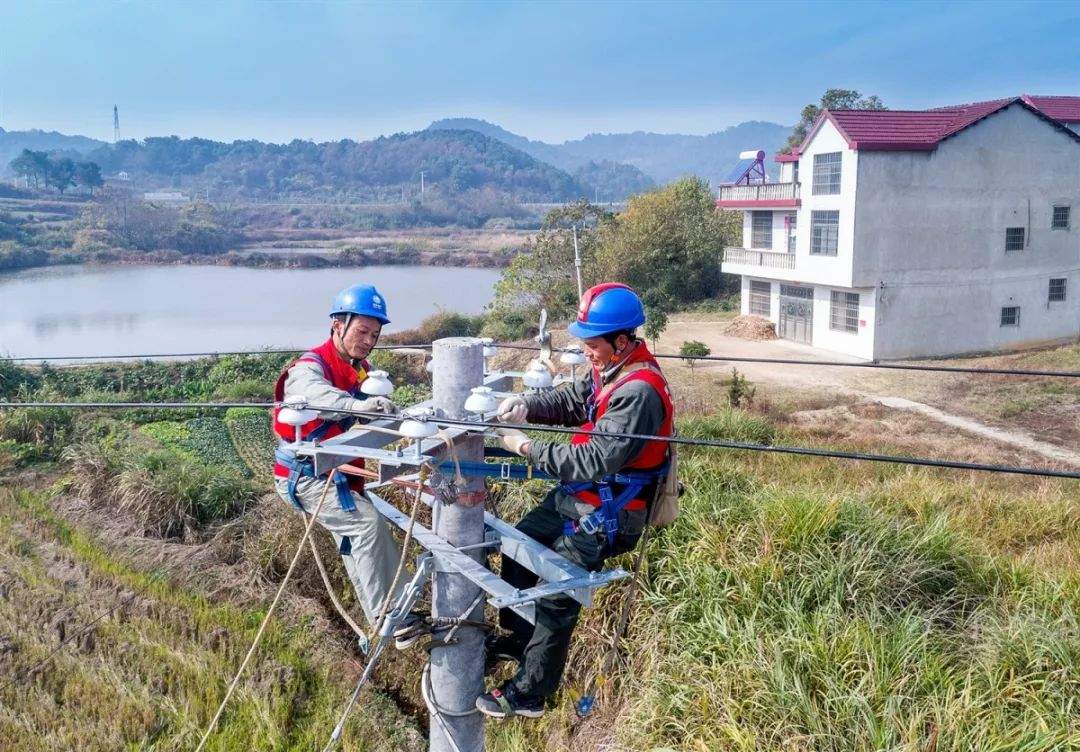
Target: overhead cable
214, 354
840, 364
682, 440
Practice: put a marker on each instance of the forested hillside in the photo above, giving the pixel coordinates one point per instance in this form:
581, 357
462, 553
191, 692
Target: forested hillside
12, 144
661, 156
453, 163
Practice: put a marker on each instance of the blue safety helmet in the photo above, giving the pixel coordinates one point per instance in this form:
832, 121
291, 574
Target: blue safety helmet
606, 309
360, 300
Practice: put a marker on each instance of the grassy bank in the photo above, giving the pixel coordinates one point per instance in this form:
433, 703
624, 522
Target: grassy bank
797, 604
805, 605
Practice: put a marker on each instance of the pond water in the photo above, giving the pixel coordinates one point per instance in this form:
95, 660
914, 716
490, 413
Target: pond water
126, 310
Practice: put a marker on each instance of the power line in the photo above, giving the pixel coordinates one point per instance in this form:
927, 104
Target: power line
840, 364
713, 443
217, 353
535, 348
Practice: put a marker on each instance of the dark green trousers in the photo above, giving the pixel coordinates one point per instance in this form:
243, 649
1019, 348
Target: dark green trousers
544, 647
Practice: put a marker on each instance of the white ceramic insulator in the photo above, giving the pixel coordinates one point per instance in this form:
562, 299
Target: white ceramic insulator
537, 376
293, 417
481, 400
572, 358
418, 429
377, 384
430, 367
490, 351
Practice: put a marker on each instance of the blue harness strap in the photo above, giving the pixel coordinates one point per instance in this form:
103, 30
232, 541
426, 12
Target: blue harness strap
606, 518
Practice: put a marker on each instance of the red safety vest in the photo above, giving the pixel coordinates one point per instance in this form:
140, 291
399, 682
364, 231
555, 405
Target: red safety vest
342, 375
642, 367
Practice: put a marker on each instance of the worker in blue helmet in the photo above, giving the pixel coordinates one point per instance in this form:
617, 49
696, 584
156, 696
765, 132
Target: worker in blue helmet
608, 488
330, 378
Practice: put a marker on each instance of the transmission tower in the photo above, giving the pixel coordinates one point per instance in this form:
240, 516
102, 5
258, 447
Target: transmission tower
115, 125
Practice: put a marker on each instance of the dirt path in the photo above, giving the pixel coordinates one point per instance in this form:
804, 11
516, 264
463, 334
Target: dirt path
893, 389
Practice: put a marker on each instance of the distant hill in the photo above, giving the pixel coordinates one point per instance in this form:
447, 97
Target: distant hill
661, 156
454, 163
13, 142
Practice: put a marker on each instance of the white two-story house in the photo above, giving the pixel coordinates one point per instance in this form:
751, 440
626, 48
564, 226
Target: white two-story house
899, 234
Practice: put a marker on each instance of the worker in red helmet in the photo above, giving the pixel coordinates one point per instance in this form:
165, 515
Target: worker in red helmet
607, 485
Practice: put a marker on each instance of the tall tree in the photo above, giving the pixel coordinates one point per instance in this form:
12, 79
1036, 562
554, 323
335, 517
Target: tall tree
88, 175
544, 276
832, 99
32, 165
667, 245
60, 173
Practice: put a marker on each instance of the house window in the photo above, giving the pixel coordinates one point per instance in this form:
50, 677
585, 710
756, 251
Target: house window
844, 312
1060, 220
1057, 290
1014, 238
824, 226
827, 173
760, 296
761, 229
1010, 316
792, 222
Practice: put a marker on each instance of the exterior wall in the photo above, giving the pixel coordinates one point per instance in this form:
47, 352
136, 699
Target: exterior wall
930, 229
787, 171
828, 270
858, 344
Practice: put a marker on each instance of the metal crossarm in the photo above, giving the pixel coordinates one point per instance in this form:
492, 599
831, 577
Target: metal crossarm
452, 558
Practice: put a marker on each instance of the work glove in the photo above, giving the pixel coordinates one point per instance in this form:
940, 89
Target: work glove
376, 405
513, 410
514, 440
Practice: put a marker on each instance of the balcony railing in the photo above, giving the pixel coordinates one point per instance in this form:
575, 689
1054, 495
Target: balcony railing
781, 192
759, 258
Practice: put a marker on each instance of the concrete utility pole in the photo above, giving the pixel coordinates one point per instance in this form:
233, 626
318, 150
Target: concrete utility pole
421, 185
457, 671
577, 265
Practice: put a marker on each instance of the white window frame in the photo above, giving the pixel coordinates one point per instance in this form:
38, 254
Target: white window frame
844, 311
759, 300
761, 237
1011, 241
821, 231
1015, 317
827, 172
1063, 293
1054, 218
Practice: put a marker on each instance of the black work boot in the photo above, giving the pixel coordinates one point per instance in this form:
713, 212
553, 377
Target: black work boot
507, 701
499, 649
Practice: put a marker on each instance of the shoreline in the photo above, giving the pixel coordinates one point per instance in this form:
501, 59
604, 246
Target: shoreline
281, 259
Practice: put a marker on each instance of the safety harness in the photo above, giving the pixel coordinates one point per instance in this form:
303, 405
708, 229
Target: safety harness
292, 467
649, 467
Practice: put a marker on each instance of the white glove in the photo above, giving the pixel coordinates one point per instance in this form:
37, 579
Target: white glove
376, 405
513, 410
514, 440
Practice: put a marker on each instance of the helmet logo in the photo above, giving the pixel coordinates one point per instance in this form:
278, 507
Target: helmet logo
377, 301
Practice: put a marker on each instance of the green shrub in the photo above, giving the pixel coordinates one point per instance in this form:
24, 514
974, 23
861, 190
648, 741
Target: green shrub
509, 327
740, 392
169, 493
245, 390
45, 429
16, 380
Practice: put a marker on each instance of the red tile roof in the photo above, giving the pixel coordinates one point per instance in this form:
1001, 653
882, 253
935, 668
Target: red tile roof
923, 130
1065, 109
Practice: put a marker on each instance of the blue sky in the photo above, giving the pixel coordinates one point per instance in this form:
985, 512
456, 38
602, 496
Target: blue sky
551, 70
